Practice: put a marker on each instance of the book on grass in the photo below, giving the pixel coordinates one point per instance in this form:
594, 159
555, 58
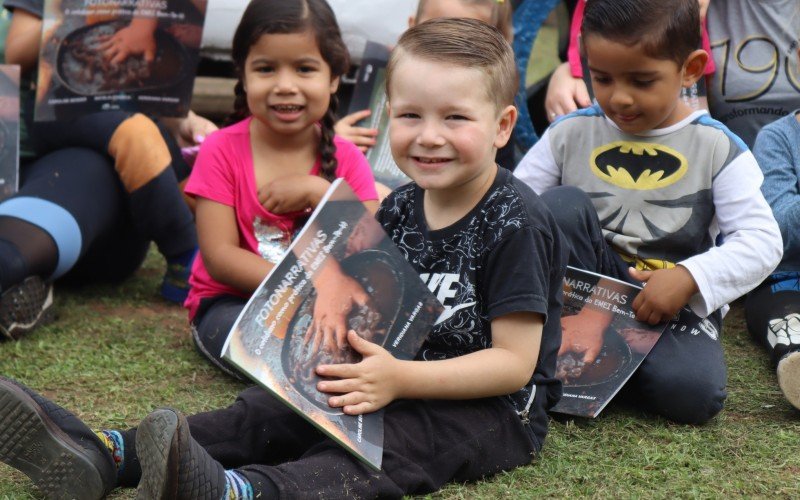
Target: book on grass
370, 93
274, 339
9, 129
597, 309
109, 55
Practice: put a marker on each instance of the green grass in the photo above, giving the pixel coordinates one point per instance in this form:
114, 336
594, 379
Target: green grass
116, 352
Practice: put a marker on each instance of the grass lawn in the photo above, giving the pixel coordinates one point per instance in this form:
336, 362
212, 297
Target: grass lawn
117, 352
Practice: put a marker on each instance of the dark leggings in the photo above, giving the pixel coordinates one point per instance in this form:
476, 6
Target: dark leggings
773, 314
426, 444
684, 376
210, 327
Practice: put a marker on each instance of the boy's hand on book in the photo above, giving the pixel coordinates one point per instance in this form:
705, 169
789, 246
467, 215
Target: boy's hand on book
363, 387
362, 137
665, 293
581, 336
292, 193
335, 299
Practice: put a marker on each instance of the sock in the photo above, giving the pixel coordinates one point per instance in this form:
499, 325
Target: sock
116, 446
237, 487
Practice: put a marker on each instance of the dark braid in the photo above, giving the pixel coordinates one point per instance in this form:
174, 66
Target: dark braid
240, 108
327, 149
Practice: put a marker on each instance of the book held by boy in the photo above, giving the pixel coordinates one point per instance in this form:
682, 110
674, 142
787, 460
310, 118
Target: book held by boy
9, 129
275, 340
370, 93
109, 55
598, 318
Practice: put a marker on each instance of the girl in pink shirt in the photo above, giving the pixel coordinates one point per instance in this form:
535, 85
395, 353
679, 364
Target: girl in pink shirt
256, 181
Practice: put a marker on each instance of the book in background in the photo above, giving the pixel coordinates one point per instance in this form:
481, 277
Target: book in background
270, 340
78, 70
370, 93
9, 129
597, 306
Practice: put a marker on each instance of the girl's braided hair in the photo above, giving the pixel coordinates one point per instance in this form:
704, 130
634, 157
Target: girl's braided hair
266, 17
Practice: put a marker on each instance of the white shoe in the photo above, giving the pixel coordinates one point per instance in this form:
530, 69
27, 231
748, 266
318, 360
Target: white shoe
789, 377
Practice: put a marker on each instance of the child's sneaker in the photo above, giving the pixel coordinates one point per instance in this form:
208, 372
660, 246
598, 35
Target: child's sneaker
174, 465
175, 286
53, 447
25, 306
789, 377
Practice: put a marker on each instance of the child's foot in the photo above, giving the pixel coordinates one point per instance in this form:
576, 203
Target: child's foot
175, 286
25, 306
174, 465
789, 377
50, 445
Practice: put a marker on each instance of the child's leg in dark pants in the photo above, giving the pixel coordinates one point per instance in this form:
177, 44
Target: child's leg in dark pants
426, 444
684, 376
210, 327
773, 319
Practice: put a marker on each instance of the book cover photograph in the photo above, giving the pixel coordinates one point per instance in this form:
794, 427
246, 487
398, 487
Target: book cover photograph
107, 55
370, 93
279, 338
9, 129
602, 342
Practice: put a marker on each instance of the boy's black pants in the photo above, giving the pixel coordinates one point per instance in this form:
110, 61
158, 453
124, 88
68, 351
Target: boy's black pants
426, 444
684, 376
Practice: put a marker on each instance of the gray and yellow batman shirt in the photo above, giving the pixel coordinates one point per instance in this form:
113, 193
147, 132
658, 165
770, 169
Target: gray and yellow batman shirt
663, 196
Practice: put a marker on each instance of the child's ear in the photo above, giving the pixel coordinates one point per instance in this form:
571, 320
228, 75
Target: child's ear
334, 85
694, 67
505, 124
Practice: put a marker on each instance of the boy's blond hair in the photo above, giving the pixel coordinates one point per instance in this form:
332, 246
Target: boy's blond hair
501, 14
466, 43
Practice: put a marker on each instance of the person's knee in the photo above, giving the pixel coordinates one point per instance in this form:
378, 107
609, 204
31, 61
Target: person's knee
684, 398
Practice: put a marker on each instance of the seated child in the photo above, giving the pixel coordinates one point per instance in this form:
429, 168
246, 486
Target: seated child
472, 404
773, 309
642, 185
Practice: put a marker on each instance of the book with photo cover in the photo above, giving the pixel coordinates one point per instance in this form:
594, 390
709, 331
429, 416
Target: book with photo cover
110, 55
598, 317
9, 129
370, 93
275, 340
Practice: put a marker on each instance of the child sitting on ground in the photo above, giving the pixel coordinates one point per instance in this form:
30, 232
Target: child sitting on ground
472, 404
641, 186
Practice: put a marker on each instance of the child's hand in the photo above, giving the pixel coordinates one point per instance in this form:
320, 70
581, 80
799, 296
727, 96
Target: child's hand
565, 93
292, 193
363, 387
336, 295
667, 291
581, 337
362, 137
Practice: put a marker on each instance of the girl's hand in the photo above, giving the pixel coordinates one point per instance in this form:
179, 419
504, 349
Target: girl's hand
336, 295
292, 193
667, 291
362, 137
703, 8
192, 130
565, 93
363, 387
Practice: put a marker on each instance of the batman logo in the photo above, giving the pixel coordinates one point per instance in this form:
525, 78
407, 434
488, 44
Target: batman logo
638, 165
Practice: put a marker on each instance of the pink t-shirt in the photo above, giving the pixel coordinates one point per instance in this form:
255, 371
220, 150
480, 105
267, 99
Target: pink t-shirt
224, 172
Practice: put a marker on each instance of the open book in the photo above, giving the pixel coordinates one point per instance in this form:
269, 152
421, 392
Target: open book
370, 93
596, 309
274, 340
86, 63
9, 129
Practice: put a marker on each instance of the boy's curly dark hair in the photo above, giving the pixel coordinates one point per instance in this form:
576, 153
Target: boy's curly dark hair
265, 17
666, 29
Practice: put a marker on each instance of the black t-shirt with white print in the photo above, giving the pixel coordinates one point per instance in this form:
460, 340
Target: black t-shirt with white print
504, 256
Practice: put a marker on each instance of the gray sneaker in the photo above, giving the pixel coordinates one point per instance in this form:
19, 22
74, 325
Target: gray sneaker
174, 465
53, 447
25, 306
789, 377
